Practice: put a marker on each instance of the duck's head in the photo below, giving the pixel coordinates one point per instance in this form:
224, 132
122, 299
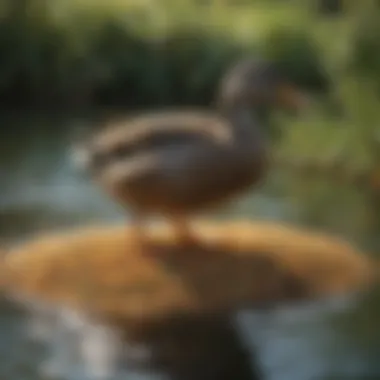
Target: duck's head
254, 83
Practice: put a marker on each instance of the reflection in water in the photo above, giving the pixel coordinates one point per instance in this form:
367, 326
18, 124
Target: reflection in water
41, 190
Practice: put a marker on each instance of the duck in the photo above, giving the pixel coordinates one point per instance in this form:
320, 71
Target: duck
180, 163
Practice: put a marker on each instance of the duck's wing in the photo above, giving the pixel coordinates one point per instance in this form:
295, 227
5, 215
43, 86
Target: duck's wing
163, 129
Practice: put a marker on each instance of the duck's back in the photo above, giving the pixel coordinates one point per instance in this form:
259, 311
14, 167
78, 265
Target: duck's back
162, 128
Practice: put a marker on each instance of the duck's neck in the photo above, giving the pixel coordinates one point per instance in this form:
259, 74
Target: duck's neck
248, 124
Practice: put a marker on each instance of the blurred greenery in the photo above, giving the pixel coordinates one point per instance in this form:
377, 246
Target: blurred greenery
134, 53
87, 54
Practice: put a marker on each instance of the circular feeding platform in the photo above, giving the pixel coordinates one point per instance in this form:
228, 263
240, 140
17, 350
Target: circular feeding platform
237, 264
95, 289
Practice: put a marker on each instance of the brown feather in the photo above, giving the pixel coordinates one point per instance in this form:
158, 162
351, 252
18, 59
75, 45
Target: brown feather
163, 128
158, 163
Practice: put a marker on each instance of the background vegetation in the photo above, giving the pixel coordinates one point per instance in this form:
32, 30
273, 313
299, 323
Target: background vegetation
138, 53
87, 54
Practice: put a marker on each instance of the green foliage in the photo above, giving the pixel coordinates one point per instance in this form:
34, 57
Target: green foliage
298, 55
194, 60
143, 55
365, 56
81, 54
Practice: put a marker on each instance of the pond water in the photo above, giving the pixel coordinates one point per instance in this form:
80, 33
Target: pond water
41, 190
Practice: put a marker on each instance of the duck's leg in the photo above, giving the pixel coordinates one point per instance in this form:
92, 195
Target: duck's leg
137, 228
140, 236
184, 235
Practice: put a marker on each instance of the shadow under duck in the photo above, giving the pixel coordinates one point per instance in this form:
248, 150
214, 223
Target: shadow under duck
178, 163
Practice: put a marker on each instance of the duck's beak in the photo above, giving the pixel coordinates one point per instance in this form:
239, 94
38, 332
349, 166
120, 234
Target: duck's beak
292, 98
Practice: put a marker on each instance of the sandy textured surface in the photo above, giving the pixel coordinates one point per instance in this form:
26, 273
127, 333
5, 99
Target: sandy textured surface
100, 269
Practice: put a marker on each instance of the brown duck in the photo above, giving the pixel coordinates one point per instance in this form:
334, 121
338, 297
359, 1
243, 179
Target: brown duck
179, 163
